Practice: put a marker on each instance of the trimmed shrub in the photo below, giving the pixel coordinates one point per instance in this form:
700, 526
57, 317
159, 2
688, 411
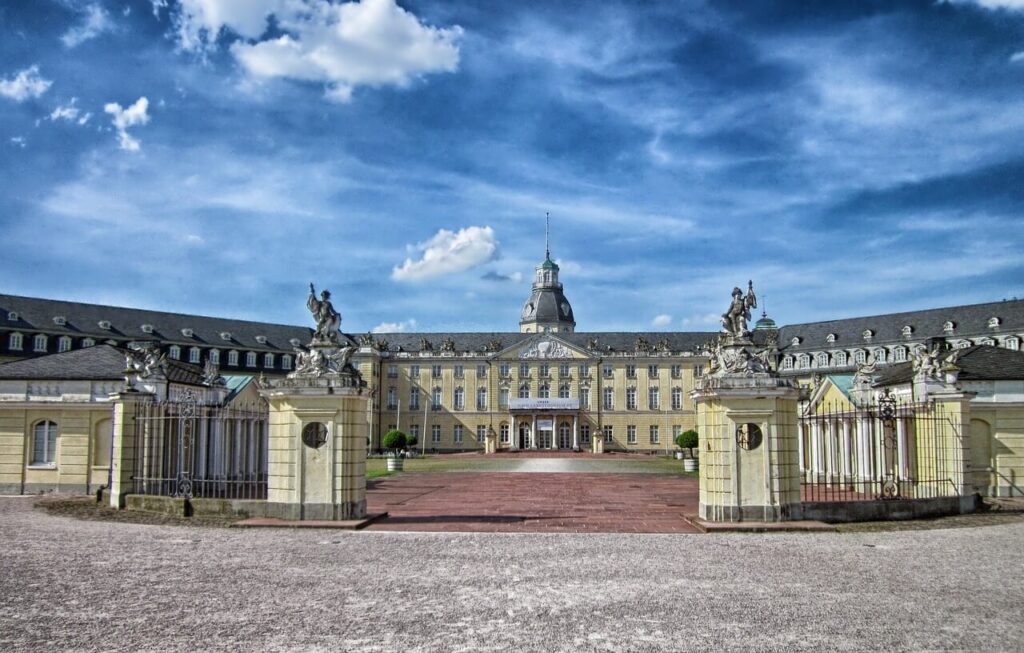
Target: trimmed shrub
394, 440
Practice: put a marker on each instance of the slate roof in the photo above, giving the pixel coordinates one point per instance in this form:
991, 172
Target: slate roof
37, 315
977, 363
619, 341
98, 363
970, 321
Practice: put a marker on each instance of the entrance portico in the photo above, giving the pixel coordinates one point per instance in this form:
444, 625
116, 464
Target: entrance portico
545, 423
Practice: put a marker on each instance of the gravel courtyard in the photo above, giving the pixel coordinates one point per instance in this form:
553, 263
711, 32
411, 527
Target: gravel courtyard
70, 584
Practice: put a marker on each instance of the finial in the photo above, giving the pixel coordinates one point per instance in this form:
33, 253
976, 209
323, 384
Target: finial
547, 227
764, 305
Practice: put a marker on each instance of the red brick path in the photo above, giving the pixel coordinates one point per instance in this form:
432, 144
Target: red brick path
533, 502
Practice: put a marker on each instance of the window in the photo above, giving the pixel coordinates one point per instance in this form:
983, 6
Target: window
821, 360
268, 360
250, 359
435, 371
214, 356
631, 371
879, 355
233, 358
174, 351
608, 399
654, 435
907, 331
804, 361
12, 316
698, 371
286, 362
563, 370
830, 338
15, 341
1012, 343
563, 391
631, 434
652, 371
524, 369
64, 343
503, 369
414, 431
545, 391
481, 398
608, 371
584, 370
545, 370
860, 357
435, 433
585, 433
458, 371
503, 398
460, 399
414, 398
677, 398
414, 371
840, 357
194, 353
88, 342
44, 443
524, 391
653, 399
787, 363
585, 398
503, 430
677, 371
457, 433
481, 371
435, 399
609, 433
899, 354
392, 398
630, 398
481, 433
39, 343
392, 371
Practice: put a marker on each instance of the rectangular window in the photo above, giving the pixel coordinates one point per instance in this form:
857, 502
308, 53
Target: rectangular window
392, 371
677, 398
456, 434
268, 360
503, 429
563, 369
435, 433
194, 353
608, 371
585, 398
630, 398
585, 433
504, 369
609, 434
250, 359
631, 434
652, 371
563, 391
435, 371
584, 370
503, 398
414, 371
677, 371
414, 398
286, 362
435, 399
698, 371
481, 398
44, 443
654, 434
392, 398
481, 433
15, 342
609, 399
631, 371
414, 431
653, 399
545, 370
460, 399
39, 343
524, 369
458, 371
64, 344
481, 371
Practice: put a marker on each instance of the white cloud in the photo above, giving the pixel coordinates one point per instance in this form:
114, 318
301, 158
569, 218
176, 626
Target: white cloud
702, 320
344, 45
662, 320
24, 85
394, 327
449, 252
94, 23
123, 118
1017, 57
18, 141
1017, 5
70, 113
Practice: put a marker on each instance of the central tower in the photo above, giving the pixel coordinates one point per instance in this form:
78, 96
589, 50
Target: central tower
547, 309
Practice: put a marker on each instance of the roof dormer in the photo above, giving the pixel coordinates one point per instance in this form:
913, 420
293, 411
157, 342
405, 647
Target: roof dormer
994, 322
949, 326
147, 328
907, 331
104, 324
188, 333
261, 339
12, 316
830, 338
225, 335
60, 320
868, 335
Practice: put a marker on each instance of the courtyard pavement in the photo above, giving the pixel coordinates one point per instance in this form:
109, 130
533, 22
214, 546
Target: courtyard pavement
77, 585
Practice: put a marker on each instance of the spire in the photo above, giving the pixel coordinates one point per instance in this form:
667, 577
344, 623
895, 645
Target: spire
547, 229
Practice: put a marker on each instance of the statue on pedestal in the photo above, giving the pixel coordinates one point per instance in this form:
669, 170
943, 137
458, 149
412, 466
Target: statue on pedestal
734, 321
328, 320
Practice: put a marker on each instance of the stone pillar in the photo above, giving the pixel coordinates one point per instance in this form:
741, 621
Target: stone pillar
864, 462
123, 456
741, 480
953, 435
533, 433
817, 461
575, 432
316, 467
901, 447
847, 450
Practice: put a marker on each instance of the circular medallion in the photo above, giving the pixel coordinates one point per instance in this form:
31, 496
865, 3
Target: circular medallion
314, 435
748, 436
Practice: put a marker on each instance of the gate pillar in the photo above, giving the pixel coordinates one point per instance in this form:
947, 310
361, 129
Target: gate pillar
124, 443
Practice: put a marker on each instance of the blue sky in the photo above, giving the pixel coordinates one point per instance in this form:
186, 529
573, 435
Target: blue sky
215, 156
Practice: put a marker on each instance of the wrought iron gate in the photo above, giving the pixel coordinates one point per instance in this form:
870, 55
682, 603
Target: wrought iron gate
887, 450
187, 449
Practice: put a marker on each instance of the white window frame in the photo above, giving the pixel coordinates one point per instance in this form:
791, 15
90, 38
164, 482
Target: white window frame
631, 434
40, 342
481, 398
459, 402
64, 344
286, 362
677, 398
194, 354
268, 360
631, 398
435, 433
44, 433
608, 399
174, 351
654, 435
653, 398
481, 433
457, 434
15, 341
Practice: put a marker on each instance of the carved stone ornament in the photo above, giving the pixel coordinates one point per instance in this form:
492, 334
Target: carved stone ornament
211, 375
664, 346
426, 345
448, 345
643, 345
143, 361
738, 360
592, 344
328, 320
382, 344
928, 363
321, 361
734, 320
366, 340
493, 345
546, 349
864, 375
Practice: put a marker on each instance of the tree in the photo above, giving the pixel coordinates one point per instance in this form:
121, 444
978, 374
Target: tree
411, 441
687, 440
394, 440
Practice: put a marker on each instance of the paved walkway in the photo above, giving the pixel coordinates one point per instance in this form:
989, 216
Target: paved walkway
541, 498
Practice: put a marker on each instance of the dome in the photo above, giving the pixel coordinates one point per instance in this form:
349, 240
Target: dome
765, 324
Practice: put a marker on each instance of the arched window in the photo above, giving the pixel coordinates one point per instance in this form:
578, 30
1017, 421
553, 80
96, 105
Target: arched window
524, 391
286, 362
193, 354
804, 361
214, 356
840, 357
250, 359
460, 398
44, 443
545, 391
15, 341
39, 342
233, 358
821, 359
860, 357
563, 391
268, 360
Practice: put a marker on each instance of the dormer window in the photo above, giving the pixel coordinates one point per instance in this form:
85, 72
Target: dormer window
187, 333
830, 338
104, 324
225, 335
1012, 343
907, 331
12, 316
261, 339
147, 328
994, 322
64, 344
174, 351
795, 341
60, 320
949, 326
868, 335
295, 342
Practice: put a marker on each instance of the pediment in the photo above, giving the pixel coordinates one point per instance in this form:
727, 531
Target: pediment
542, 346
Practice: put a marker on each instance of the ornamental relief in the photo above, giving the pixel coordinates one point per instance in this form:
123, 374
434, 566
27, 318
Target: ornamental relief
546, 349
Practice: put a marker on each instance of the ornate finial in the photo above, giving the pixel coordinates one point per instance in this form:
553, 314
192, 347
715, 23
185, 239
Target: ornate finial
547, 229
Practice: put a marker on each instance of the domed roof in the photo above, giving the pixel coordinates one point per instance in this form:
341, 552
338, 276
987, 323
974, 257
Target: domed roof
765, 323
547, 305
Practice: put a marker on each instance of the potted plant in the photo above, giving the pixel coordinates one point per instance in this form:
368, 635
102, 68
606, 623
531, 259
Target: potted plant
394, 441
410, 445
688, 440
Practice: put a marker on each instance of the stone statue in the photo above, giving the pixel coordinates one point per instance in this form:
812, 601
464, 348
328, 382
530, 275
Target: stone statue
328, 320
734, 321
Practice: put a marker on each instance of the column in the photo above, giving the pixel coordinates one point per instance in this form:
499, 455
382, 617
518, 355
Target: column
901, 447
830, 453
575, 432
864, 465
847, 449
554, 432
816, 451
533, 433
125, 443
801, 434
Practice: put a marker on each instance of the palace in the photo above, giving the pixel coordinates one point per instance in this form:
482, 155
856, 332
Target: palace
546, 385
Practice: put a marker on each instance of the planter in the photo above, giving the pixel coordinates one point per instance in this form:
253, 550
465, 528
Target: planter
679, 455
395, 464
690, 465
